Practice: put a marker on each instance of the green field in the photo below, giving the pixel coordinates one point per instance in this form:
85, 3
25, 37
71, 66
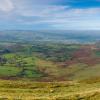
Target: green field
49, 71
49, 61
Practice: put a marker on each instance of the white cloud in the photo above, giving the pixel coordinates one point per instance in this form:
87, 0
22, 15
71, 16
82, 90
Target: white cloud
42, 11
66, 18
6, 5
49, 14
32, 12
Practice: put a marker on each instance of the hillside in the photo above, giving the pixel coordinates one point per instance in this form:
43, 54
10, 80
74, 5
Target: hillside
27, 90
49, 61
44, 67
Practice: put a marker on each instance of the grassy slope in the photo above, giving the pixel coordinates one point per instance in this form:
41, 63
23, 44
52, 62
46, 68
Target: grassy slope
22, 90
9, 71
36, 68
74, 72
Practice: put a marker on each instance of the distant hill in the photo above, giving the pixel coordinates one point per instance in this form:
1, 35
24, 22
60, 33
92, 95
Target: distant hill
54, 36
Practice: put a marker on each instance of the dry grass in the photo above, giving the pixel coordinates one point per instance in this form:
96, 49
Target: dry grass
22, 90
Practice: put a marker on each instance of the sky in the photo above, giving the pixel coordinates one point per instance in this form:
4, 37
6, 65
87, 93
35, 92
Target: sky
49, 14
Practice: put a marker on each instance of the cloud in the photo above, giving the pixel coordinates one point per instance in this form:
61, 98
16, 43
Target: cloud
42, 11
57, 13
47, 12
6, 5
68, 18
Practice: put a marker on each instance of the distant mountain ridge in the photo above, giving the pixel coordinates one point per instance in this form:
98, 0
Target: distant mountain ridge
54, 36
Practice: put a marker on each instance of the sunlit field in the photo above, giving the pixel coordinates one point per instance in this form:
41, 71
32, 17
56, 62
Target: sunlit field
27, 90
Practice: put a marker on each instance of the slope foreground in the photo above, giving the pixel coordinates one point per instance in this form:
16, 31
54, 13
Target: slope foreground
22, 90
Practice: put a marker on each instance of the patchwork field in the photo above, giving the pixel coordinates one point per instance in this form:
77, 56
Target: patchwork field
49, 71
49, 61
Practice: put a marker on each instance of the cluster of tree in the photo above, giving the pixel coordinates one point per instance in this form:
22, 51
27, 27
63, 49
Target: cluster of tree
54, 53
3, 61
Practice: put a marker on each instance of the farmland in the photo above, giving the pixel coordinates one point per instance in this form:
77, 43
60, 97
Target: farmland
45, 71
49, 49
49, 62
